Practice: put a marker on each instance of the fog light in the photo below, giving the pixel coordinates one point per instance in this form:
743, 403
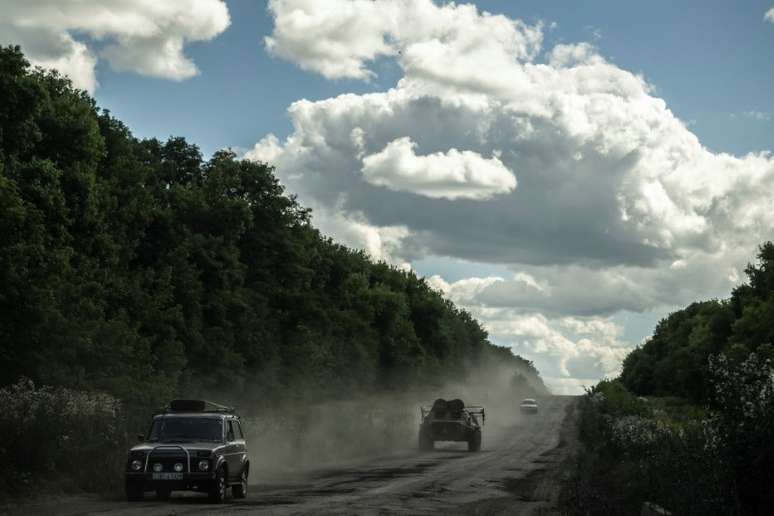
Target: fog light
178, 467
204, 465
157, 467
136, 465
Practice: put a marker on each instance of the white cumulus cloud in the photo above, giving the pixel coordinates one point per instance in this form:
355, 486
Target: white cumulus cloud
618, 206
145, 36
769, 16
449, 175
339, 38
562, 348
382, 243
333, 38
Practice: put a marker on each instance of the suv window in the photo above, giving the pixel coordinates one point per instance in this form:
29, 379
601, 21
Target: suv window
179, 428
239, 433
230, 434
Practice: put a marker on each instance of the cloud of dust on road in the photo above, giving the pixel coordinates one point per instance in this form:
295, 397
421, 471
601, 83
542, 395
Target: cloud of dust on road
306, 436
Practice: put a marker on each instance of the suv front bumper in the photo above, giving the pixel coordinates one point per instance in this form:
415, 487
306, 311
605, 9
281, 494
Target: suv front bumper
188, 481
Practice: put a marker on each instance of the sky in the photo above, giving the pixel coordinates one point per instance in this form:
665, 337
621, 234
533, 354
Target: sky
570, 173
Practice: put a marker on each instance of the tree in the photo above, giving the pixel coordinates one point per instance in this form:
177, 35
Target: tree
137, 267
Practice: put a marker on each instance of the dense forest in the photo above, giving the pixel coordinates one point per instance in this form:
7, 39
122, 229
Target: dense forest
137, 268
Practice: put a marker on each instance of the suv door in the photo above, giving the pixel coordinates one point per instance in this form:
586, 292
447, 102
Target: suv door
236, 451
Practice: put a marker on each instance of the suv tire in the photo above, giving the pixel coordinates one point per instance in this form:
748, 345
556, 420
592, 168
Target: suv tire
218, 488
240, 490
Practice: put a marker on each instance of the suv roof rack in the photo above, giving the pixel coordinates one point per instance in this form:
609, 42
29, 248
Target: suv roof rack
196, 406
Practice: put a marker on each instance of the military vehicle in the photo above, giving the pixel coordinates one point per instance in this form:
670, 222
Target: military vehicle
451, 421
191, 445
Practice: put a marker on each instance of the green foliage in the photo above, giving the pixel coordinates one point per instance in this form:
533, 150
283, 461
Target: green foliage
636, 451
675, 360
704, 446
691, 460
743, 413
137, 268
612, 398
675, 411
51, 434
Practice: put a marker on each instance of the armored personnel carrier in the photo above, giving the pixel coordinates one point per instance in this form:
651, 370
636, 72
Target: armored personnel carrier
451, 421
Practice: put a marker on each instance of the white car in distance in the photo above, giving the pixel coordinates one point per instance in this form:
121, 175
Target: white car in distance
528, 406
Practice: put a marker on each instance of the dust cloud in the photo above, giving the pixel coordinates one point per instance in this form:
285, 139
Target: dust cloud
300, 437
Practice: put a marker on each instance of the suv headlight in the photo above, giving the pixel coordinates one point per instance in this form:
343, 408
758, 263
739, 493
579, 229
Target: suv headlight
136, 465
204, 465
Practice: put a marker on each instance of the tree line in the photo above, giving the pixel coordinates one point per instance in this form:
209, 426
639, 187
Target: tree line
138, 268
675, 360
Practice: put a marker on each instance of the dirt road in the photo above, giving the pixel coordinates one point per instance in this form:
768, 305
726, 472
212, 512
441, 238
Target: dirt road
523, 461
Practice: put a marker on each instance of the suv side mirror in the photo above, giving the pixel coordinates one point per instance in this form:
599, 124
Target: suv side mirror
140, 437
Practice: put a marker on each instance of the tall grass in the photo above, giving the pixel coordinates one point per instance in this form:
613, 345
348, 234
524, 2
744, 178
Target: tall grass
49, 435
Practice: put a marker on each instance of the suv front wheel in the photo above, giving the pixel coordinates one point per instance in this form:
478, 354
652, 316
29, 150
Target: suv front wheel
218, 488
240, 490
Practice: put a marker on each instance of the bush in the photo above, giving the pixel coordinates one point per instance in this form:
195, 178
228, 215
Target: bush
743, 405
633, 455
607, 399
70, 437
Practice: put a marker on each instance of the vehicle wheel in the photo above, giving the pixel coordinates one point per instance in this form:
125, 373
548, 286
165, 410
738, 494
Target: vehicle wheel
134, 491
474, 442
425, 441
218, 487
240, 489
163, 493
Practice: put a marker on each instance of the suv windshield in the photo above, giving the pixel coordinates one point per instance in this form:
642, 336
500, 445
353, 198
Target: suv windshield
176, 428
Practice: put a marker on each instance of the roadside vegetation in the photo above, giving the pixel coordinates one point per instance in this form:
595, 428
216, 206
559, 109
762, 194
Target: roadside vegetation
134, 271
48, 431
689, 425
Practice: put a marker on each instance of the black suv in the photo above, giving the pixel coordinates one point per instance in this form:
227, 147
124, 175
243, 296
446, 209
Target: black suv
451, 421
191, 445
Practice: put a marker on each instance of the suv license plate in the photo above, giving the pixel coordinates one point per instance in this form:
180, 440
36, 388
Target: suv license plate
167, 476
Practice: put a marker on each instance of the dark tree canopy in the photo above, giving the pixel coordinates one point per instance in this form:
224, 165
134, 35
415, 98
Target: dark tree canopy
138, 268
